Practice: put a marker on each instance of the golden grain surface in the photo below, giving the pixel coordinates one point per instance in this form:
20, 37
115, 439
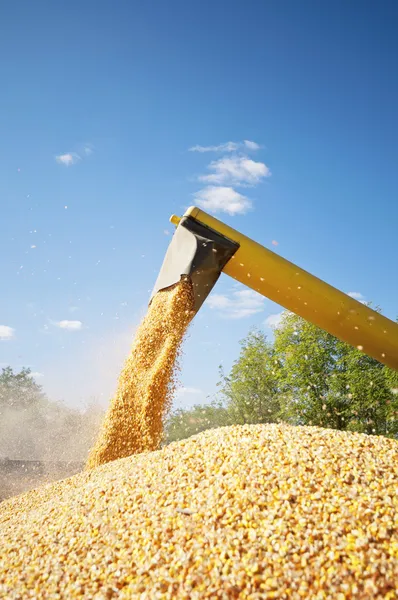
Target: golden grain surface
253, 512
134, 421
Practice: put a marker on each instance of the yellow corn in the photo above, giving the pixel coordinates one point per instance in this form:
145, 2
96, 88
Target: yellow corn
253, 512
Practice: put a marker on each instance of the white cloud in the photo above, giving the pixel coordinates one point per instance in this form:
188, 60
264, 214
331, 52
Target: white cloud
238, 170
273, 321
237, 305
88, 149
219, 301
251, 145
227, 172
222, 199
68, 159
227, 147
36, 375
188, 390
357, 296
6, 333
72, 325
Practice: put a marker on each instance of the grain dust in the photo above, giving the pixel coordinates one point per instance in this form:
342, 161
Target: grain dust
134, 421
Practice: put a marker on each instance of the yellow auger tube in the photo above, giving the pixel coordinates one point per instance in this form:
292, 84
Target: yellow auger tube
306, 295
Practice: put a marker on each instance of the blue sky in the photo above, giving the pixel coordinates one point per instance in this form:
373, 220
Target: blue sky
101, 103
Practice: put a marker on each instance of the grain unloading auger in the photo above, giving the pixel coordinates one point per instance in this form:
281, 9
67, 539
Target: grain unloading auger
202, 247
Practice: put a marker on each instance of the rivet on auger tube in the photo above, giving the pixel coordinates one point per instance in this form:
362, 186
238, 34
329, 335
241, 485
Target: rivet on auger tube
198, 252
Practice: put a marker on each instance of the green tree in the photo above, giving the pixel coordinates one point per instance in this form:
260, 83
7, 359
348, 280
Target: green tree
249, 394
19, 390
34, 427
251, 391
22, 418
308, 357
328, 383
373, 405
183, 423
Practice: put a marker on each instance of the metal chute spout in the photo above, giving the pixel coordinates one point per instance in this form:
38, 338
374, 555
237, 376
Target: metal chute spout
198, 252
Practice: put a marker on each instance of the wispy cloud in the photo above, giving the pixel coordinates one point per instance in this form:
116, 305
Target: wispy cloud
72, 325
88, 149
236, 170
68, 159
6, 332
71, 158
222, 199
273, 321
227, 147
188, 390
358, 296
36, 375
249, 145
226, 173
239, 304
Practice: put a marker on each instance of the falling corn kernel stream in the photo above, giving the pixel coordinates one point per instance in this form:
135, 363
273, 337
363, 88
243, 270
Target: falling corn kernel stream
134, 421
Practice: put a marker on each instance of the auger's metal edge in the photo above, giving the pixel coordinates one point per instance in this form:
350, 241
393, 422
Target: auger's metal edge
197, 252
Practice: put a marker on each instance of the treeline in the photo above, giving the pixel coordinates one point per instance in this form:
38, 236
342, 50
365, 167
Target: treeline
33, 427
304, 377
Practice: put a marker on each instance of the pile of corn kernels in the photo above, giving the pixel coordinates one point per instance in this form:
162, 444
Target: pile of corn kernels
259, 511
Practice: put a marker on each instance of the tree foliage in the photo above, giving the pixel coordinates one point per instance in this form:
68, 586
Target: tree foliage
184, 423
331, 384
34, 427
251, 390
304, 377
19, 390
249, 394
